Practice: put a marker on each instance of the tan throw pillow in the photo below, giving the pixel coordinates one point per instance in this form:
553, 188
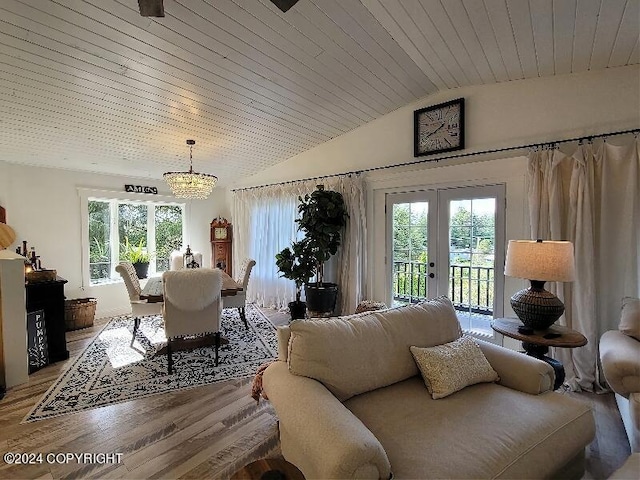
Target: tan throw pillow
452, 366
630, 318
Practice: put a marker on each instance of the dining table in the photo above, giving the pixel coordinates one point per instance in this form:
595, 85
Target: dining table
152, 292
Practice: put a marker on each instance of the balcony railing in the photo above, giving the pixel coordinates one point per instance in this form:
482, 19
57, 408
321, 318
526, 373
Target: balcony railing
471, 287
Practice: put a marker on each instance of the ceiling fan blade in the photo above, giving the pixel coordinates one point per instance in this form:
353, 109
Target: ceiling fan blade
151, 8
284, 5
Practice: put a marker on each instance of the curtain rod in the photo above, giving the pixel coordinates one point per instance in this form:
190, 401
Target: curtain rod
459, 155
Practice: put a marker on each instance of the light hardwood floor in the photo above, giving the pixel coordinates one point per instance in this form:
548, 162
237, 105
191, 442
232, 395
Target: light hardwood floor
204, 432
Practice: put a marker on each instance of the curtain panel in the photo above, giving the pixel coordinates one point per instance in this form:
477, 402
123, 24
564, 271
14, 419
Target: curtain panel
591, 198
264, 224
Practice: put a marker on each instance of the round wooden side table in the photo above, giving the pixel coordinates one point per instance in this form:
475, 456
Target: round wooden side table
537, 344
269, 469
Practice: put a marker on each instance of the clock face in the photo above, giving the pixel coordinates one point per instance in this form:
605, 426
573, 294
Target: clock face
439, 128
220, 233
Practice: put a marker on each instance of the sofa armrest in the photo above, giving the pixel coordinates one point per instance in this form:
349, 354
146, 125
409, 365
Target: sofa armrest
318, 433
620, 358
518, 371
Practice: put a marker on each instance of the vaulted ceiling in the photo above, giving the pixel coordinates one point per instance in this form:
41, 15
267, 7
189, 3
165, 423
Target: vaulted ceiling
92, 85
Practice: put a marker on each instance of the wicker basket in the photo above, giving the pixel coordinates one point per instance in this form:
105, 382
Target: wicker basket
79, 313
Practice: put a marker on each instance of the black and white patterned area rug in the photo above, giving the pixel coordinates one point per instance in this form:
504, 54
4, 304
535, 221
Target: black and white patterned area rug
111, 370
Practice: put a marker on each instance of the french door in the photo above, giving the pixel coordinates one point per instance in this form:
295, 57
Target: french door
448, 242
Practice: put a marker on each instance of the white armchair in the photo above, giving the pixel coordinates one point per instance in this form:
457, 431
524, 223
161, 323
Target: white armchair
620, 358
239, 300
176, 260
139, 307
192, 305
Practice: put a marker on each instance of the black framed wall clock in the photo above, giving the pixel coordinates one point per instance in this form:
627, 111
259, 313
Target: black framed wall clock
439, 128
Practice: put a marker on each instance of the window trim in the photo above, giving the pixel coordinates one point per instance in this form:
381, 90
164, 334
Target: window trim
438, 197
85, 194
489, 190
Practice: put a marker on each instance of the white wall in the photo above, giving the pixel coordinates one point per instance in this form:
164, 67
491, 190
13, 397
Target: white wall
499, 115
43, 207
14, 359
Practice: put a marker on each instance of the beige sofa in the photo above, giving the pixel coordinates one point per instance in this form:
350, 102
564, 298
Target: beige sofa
620, 357
352, 404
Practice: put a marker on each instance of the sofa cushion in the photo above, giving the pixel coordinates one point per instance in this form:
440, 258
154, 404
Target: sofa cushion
355, 354
452, 366
483, 431
630, 468
620, 358
284, 333
630, 317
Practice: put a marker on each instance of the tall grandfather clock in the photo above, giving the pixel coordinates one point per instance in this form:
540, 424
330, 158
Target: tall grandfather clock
221, 255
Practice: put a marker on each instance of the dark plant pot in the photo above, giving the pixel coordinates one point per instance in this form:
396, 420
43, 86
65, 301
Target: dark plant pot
141, 269
321, 298
298, 310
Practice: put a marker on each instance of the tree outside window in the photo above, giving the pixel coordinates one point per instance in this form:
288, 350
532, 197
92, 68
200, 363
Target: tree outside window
99, 240
168, 220
156, 226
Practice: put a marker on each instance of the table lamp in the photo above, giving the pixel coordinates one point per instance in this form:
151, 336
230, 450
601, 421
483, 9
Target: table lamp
539, 262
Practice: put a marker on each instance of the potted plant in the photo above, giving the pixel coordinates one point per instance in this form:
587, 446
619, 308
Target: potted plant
323, 215
137, 255
296, 264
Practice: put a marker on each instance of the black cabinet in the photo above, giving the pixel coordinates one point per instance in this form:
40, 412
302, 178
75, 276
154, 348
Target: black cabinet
49, 298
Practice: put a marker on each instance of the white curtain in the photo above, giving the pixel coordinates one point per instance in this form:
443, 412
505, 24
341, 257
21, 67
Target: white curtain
264, 224
351, 258
591, 198
263, 221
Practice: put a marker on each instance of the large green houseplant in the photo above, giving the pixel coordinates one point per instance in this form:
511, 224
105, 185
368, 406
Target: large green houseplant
323, 215
137, 255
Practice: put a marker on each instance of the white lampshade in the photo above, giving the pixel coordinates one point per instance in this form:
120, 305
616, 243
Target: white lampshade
549, 261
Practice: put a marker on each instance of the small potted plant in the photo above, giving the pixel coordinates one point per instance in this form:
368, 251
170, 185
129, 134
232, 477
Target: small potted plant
137, 255
323, 215
297, 264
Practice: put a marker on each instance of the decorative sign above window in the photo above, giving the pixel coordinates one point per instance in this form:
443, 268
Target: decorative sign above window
141, 189
439, 128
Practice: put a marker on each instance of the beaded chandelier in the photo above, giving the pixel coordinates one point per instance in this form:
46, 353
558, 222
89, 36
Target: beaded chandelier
190, 184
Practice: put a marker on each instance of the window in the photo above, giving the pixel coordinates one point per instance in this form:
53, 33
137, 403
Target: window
449, 242
156, 227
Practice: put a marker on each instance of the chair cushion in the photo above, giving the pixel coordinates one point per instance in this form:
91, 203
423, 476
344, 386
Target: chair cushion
483, 431
630, 318
130, 277
449, 368
358, 353
192, 289
245, 272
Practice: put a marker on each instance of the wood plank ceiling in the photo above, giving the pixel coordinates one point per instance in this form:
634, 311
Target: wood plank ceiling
91, 85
